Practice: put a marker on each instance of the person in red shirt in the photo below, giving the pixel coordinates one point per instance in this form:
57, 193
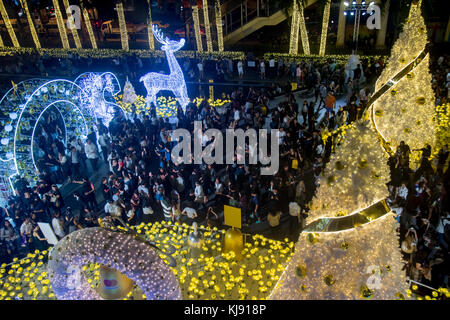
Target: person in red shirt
330, 102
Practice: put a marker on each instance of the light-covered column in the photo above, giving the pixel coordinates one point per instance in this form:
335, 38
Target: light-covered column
209, 45
8, 25
198, 35
151, 41
341, 26
122, 27
381, 34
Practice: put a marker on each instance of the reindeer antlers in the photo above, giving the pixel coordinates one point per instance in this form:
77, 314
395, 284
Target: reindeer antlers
158, 35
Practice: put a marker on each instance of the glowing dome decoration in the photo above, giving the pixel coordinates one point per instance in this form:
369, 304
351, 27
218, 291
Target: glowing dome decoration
97, 94
155, 82
123, 252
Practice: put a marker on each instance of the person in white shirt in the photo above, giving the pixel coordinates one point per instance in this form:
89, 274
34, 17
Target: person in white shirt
189, 212
104, 142
200, 69
262, 68
25, 231
240, 69
58, 226
198, 193
91, 153
402, 194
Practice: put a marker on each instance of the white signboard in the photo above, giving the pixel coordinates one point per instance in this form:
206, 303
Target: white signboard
251, 64
48, 233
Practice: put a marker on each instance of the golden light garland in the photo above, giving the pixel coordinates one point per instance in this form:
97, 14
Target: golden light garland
303, 32
36, 41
151, 41
8, 25
341, 58
442, 117
219, 25
122, 27
356, 264
112, 53
1, 41
207, 26
87, 23
74, 31
198, 35
61, 25
293, 40
325, 21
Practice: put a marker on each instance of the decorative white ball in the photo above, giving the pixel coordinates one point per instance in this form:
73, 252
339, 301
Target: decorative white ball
8, 128
13, 115
4, 141
9, 155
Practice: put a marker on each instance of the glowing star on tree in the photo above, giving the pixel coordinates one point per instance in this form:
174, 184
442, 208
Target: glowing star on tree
155, 82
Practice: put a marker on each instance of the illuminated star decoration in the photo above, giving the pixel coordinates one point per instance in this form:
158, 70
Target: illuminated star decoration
155, 82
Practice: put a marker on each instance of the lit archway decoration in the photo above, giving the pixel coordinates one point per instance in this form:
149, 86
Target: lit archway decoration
126, 253
23, 107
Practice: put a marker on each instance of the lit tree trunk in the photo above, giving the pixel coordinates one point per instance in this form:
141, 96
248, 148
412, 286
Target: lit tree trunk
61, 25
151, 41
325, 20
207, 26
303, 32
122, 26
37, 44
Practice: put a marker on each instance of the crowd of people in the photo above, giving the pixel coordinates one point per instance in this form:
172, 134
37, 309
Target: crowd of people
131, 158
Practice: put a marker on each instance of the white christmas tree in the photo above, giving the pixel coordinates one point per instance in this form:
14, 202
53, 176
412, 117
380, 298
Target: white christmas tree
129, 95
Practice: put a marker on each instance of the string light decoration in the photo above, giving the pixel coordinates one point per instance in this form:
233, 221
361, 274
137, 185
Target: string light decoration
356, 264
8, 25
36, 41
18, 156
114, 53
405, 112
293, 41
1, 41
203, 272
151, 42
61, 25
155, 82
207, 26
122, 26
97, 95
198, 36
442, 117
74, 31
411, 41
325, 21
355, 177
87, 22
122, 252
218, 11
303, 32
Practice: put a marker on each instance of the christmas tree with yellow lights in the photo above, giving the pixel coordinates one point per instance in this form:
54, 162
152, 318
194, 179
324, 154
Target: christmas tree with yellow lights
405, 111
363, 260
355, 177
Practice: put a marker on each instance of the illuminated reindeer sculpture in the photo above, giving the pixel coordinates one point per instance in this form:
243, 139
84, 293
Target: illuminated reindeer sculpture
155, 82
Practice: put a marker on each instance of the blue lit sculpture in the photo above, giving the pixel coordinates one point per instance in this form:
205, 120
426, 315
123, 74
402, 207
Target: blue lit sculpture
155, 82
97, 89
